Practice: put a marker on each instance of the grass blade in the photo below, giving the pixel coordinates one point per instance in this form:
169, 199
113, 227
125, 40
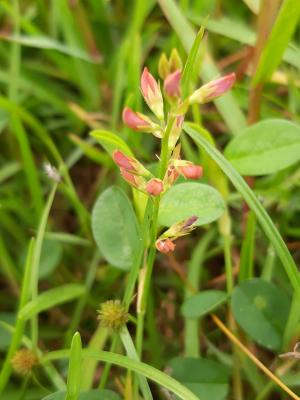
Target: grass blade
74, 374
136, 366
249, 196
50, 299
278, 40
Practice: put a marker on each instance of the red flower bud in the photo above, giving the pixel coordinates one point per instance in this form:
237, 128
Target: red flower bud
152, 94
124, 161
172, 84
128, 177
154, 187
191, 171
165, 246
213, 89
135, 121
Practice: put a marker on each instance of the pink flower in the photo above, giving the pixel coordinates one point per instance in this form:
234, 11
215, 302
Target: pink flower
123, 161
165, 246
135, 121
154, 187
152, 94
128, 177
213, 89
172, 84
191, 171
129, 164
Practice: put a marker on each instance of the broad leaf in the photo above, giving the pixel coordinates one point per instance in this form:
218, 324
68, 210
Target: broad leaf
95, 394
266, 147
261, 309
191, 198
203, 303
115, 227
207, 379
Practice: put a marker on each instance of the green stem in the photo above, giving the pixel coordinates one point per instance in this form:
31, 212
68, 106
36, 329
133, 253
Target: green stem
191, 326
132, 353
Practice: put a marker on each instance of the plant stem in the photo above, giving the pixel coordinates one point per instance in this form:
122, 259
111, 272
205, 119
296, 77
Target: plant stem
164, 159
132, 353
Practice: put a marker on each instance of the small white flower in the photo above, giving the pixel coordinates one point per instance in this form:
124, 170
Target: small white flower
52, 172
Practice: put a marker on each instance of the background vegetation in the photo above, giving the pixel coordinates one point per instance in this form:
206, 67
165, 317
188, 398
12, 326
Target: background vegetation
68, 68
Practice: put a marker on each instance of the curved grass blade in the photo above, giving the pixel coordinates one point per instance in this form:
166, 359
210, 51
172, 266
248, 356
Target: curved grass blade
249, 196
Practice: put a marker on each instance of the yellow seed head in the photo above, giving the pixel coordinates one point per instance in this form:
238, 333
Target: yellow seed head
23, 361
112, 314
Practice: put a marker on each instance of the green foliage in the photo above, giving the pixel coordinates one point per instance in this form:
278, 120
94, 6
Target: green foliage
202, 303
187, 199
278, 40
51, 298
261, 309
265, 147
86, 395
205, 378
115, 227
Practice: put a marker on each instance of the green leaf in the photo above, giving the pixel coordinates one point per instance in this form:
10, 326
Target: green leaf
146, 370
261, 309
44, 42
96, 394
203, 303
110, 141
115, 227
191, 198
207, 379
266, 147
262, 216
5, 336
74, 373
278, 40
50, 257
51, 298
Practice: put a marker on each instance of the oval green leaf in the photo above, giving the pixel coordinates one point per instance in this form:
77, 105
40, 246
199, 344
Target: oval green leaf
264, 148
191, 198
261, 309
115, 228
95, 394
207, 379
51, 256
203, 303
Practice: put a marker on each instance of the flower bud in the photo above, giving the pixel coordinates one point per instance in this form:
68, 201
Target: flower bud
188, 169
181, 228
163, 66
213, 89
129, 164
139, 122
175, 61
154, 187
165, 246
113, 315
136, 181
191, 171
170, 176
175, 131
152, 94
23, 361
172, 84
